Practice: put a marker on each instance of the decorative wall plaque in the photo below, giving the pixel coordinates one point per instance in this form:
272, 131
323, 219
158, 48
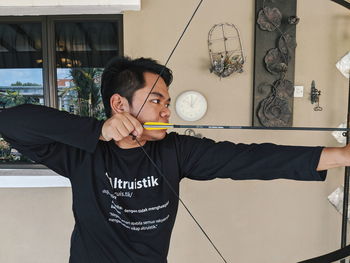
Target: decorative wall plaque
274, 60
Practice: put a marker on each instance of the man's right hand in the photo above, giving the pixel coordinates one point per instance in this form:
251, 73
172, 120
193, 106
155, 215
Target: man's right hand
119, 126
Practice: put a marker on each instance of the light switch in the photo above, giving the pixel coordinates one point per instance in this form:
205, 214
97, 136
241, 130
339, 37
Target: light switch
298, 91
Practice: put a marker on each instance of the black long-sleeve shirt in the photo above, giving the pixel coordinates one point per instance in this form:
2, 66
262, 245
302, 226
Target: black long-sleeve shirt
124, 210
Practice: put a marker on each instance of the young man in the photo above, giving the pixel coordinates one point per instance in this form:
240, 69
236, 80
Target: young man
123, 208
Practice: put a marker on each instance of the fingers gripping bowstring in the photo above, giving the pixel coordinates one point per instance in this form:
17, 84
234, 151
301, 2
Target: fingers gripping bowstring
149, 157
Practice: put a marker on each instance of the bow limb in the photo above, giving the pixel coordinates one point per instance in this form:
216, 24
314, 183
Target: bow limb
330, 257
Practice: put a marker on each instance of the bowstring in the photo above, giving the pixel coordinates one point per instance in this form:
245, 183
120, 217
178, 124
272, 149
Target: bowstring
182, 202
149, 157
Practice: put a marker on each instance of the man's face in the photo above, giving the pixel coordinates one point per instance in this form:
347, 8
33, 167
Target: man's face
156, 108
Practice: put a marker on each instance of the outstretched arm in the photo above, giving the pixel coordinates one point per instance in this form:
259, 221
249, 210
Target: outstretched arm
204, 159
332, 157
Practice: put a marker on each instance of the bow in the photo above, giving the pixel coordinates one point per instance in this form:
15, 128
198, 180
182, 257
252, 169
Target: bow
331, 257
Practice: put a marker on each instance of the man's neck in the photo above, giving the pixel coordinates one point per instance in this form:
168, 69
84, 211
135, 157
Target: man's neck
129, 142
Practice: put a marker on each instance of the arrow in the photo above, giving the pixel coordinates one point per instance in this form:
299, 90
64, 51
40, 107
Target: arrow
164, 126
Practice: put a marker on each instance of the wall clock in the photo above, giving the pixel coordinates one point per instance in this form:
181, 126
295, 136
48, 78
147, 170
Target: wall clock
191, 105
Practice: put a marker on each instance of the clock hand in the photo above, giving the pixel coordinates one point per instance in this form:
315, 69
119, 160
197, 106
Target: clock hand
195, 100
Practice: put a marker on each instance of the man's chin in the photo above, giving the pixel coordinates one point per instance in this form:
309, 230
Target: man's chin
156, 135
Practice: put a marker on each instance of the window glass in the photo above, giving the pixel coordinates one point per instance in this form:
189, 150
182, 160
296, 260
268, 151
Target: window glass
82, 50
21, 71
79, 91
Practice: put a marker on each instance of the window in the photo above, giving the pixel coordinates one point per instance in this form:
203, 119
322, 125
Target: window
55, 61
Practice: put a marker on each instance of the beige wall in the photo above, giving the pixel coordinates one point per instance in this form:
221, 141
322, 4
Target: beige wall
268, 222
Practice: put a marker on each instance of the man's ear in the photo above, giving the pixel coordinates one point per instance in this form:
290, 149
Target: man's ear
119, 104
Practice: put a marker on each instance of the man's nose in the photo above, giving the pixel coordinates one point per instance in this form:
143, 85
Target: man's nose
165, 113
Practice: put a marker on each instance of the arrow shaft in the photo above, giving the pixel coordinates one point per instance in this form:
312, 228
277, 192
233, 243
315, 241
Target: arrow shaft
180, 126
260, 128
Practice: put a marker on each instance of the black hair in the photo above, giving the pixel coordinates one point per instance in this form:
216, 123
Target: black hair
124, 76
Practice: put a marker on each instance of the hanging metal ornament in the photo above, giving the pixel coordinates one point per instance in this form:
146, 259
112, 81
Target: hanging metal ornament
225, 50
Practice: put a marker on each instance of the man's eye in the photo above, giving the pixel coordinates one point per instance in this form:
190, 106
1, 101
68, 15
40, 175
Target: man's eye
155, 101
167, 105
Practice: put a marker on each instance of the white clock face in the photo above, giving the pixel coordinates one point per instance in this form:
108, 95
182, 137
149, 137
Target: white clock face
191, 106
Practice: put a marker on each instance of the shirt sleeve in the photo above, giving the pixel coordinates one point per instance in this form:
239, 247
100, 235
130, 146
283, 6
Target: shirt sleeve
205, 159
54, 138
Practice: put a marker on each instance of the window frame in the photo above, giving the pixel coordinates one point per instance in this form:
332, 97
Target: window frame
49, 69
